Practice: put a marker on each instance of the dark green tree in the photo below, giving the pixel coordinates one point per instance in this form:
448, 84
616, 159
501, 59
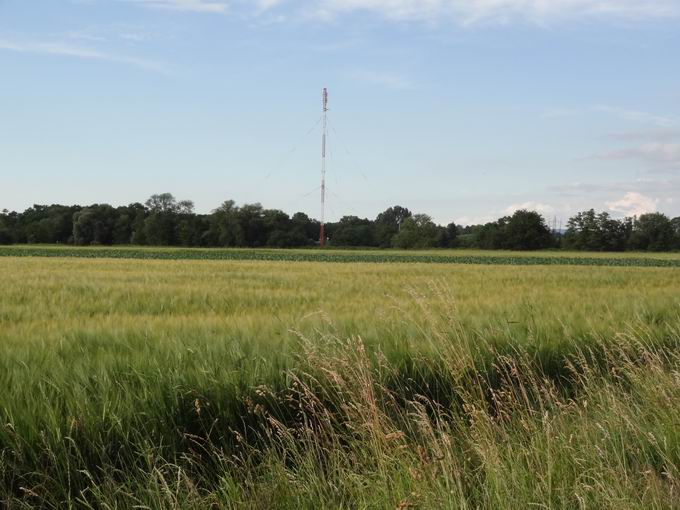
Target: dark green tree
417, 231
388, 223
304, 229
591, 231
653, 232
162, 225
8, 227
351, 231
252, 220
94, 225
491, 236
675, 222
582, 232
448, 236
124, 228
225, 225
527, 230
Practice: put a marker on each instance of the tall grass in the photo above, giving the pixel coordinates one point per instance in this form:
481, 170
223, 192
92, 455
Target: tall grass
444, 410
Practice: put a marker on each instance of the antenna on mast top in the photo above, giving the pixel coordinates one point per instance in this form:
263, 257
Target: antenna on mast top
324, 136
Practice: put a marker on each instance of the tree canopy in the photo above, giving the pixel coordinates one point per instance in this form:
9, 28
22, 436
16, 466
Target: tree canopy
163, 220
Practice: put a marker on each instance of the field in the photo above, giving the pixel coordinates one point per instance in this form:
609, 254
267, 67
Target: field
464, 256
382, 380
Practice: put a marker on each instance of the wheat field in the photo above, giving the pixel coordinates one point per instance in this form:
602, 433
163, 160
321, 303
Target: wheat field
275, 384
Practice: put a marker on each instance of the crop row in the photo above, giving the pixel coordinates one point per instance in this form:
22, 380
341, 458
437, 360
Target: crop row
329, 256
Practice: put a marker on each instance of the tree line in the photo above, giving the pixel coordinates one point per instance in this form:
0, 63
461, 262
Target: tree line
165, 221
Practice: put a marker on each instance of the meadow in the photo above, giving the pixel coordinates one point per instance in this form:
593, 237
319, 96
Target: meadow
216, 382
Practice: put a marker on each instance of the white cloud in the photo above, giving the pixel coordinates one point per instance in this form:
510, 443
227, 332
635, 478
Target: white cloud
544, 209
210, 6
475, 11
69, 50
475, 220
464, 12
633, 204
268, 4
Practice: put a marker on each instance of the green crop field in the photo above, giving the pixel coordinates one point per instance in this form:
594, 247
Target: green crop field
353, 256
172, 378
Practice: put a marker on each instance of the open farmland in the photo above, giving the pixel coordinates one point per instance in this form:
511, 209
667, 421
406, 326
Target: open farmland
235, 383
560, 258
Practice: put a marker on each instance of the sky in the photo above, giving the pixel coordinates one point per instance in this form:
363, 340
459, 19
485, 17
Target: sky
465, 110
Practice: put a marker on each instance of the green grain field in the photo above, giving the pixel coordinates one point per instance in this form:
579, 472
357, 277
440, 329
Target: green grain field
153, 378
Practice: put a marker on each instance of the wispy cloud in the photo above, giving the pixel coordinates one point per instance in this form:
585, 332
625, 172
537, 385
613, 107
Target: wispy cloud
102, 34
462, 12
662, 135
647, 186
384, 79
656, 141
209, 6
70, 50
470, 12
638, 116
626, 114
656, 152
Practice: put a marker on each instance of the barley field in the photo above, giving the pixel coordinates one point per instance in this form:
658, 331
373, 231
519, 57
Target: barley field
131, 382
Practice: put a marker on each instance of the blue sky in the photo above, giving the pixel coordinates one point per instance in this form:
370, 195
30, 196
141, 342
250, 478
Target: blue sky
465, 110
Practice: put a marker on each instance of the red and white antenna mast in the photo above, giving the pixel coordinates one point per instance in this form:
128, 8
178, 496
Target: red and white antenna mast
324, 136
